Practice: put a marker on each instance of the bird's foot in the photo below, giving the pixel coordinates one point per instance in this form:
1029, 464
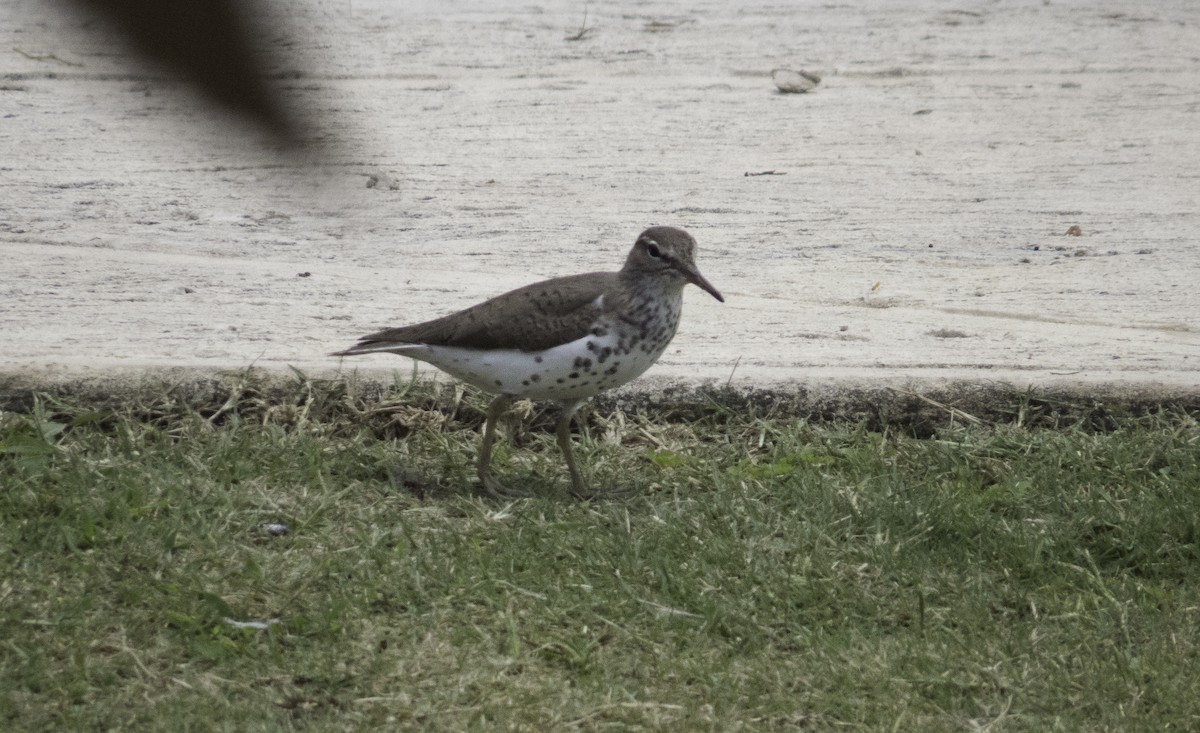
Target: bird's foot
583, 493
499, 491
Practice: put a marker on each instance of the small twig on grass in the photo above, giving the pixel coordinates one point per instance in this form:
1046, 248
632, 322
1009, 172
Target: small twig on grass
133, 654
954, 411
626, 705
230, 403
667, 610
256, 625
655, 441
522, 591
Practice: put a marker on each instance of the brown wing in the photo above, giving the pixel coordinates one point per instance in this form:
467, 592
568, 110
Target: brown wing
532, 318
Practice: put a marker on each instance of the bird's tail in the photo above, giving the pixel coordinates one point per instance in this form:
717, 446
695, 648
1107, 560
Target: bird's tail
381, 347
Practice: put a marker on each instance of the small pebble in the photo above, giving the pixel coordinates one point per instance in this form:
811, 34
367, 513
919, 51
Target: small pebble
382, 181
276, 529
790, 81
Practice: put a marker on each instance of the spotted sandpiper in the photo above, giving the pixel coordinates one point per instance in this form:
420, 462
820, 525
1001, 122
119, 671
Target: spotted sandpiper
564, 339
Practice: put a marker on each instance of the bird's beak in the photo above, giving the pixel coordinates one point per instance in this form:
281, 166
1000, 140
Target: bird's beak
695, 278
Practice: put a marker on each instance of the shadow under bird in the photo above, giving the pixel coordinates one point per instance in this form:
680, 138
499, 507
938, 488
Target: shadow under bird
565, 339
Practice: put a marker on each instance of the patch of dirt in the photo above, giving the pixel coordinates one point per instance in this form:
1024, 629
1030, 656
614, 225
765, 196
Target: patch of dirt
389, 411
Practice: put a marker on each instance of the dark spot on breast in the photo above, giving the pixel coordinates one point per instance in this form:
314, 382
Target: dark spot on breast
535, 378
611, 370
499, 383
574, 375
538, 359
560, 380
591, 346
525, 383
599, 331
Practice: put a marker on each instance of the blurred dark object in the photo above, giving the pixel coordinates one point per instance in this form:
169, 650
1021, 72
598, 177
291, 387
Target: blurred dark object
214, 46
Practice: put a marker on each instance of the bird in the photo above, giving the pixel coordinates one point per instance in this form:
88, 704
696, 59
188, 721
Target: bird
565, 339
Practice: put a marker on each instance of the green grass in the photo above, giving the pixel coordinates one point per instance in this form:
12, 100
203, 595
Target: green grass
770, 572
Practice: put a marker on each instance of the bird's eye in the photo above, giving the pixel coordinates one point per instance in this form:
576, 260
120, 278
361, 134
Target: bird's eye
653, 250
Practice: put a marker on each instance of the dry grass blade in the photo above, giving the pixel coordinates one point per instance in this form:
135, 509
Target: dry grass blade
954, 412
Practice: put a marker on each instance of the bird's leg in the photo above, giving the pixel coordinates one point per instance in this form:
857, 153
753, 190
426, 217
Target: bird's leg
578, 489
563, 431
490, 484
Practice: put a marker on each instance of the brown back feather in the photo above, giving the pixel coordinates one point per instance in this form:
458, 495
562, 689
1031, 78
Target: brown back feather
532, 318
